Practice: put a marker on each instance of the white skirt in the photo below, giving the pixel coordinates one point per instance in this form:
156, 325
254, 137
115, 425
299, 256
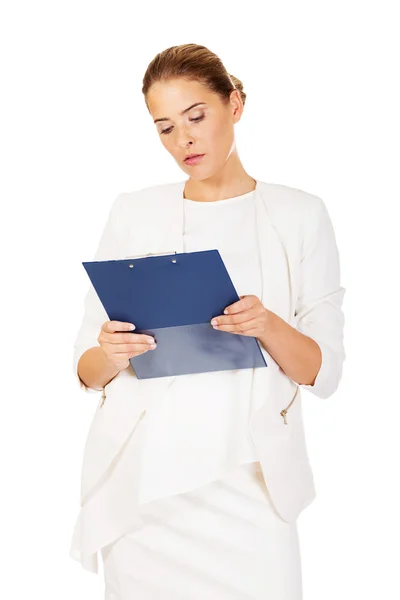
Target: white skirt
221, 541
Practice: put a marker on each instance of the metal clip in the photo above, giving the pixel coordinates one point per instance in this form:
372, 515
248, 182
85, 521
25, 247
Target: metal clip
153, 254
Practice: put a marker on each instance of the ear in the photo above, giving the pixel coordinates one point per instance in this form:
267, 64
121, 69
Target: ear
237, 104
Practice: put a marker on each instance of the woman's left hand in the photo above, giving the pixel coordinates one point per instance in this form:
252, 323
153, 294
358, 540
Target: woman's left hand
247, 316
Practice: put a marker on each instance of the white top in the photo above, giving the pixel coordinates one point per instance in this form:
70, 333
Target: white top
199, 428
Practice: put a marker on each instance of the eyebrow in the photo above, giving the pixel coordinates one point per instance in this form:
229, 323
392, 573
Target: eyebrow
182, 113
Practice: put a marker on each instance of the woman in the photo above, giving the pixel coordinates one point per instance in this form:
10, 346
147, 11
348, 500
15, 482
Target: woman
191, 485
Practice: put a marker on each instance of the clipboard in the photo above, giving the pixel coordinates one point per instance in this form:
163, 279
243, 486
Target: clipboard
173, 298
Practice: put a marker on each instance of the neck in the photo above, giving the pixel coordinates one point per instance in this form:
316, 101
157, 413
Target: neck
230, 181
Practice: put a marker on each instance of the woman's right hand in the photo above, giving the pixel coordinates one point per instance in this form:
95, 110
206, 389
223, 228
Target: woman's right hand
120, 347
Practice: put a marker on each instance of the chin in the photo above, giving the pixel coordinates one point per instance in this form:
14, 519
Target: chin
198, 174
195, 174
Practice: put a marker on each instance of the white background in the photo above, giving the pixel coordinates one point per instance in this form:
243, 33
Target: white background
322, 114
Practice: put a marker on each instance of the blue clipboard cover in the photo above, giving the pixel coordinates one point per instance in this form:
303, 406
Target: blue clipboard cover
173, 298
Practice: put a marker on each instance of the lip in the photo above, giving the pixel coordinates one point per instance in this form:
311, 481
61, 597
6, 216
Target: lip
193, 159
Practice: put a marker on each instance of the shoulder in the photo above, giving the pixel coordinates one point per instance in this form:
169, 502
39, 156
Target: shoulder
282, 198
298, 215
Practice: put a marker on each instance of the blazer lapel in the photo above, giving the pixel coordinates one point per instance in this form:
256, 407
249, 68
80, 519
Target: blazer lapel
275, 266
276, 296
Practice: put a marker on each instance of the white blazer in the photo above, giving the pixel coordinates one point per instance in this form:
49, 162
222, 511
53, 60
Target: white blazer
301, 284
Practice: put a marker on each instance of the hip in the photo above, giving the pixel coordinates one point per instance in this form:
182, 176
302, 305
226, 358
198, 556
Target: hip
221, 540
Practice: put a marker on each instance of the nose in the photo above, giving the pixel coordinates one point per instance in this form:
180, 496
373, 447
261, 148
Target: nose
184, 139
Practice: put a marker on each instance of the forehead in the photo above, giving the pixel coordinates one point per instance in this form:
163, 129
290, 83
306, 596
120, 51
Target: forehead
168, 99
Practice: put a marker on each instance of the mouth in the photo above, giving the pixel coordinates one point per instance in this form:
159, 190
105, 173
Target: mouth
193, 159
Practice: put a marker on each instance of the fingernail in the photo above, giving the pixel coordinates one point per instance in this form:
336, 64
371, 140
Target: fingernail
131, 326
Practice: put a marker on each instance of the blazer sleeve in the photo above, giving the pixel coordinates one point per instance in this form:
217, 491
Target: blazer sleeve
319, 313
94, 314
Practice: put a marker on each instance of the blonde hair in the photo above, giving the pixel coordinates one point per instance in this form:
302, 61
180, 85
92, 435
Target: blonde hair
192, 62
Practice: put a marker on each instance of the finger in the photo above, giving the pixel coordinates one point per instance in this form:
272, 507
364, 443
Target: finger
127, 338
241, 328
120, 356
236, 307
238, 318
128, 348
112, 326
244, 303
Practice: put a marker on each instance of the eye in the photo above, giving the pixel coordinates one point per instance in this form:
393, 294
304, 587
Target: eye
196, 120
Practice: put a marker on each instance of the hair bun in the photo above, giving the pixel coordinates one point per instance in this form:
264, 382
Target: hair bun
239, 86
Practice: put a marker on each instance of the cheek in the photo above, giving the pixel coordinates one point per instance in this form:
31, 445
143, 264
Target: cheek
212, 131
221, 137
167, 142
